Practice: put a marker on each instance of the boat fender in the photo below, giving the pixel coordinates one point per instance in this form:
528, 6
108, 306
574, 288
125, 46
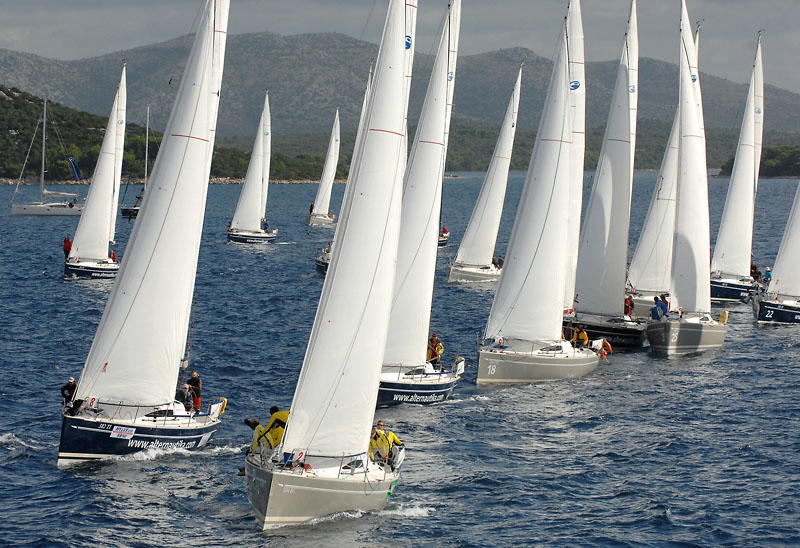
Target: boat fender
723, 317
224, 405
605, 349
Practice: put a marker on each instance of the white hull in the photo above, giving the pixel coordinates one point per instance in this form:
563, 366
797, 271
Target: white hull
460, 273
524, 361
285, 496
673, 336
47, 208
313, 219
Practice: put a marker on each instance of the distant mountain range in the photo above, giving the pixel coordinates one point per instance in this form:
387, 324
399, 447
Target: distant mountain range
310, 75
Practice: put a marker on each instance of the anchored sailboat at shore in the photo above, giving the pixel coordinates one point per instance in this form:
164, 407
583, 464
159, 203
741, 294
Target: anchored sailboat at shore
125, 399
322, 465
249, 224
89, 256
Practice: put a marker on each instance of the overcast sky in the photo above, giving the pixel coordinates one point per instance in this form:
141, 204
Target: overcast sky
74, 29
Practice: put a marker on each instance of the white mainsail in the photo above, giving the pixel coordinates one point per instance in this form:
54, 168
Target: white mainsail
603, 253
735, 237
477, 245
758, 97
528, 304
137, 350
323, 200
651, 265
691, 272
577, 86
251, 208
422, 197
96, 225
333, 404
786, 272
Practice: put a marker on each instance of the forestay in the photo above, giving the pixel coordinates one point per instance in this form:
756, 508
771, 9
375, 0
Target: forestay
477, 245
251, 208
334, 402
603, 251
323, 200
141, 338
98, 219
528, 303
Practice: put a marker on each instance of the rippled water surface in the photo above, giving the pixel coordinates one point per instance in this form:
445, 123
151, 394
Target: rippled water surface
702, 450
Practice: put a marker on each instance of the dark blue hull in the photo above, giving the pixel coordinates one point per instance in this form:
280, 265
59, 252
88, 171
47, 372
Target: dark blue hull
129, 212
730, 291
619, 335
250, 238
322, 266
775, 312
395, 393
90, 272
83, 440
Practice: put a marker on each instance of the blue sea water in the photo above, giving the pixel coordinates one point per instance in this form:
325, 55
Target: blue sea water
697, 451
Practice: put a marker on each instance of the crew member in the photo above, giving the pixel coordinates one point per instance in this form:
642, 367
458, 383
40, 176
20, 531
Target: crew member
68, 390
579, 337
657, 310
184, 396
273, 432
665, 302
628, 306
499, 261
197, 387
384, 445
435, 350
67, 246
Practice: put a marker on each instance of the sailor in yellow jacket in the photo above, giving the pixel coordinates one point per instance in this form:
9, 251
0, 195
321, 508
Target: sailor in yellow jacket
272, 433
384, 445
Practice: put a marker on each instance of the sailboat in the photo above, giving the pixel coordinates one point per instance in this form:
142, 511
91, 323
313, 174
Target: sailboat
730, 264
89, 256
67, 207
780, 302
577, 96
322, 465
649, 273
249, 224
319, 214
523, 338
130, 212
689, 326
473, 262
603, 253
406, 376
125, 399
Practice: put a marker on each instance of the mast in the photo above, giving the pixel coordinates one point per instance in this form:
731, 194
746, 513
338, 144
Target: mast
146, 145
44, 148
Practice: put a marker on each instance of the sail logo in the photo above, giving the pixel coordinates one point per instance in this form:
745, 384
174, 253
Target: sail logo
408, 41
694, 78
575, 84
450, 76
758, 111
632, 89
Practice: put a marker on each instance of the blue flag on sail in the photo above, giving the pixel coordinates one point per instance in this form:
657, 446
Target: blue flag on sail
76, 171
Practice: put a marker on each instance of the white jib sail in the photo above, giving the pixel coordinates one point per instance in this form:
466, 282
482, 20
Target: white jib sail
528, 304
334, 402
735, 237
758, 94
577, 86
786, 272
323, 200
422, 197
691, 272
603, 253
137, 350
477, 245
96, 225
253, 198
